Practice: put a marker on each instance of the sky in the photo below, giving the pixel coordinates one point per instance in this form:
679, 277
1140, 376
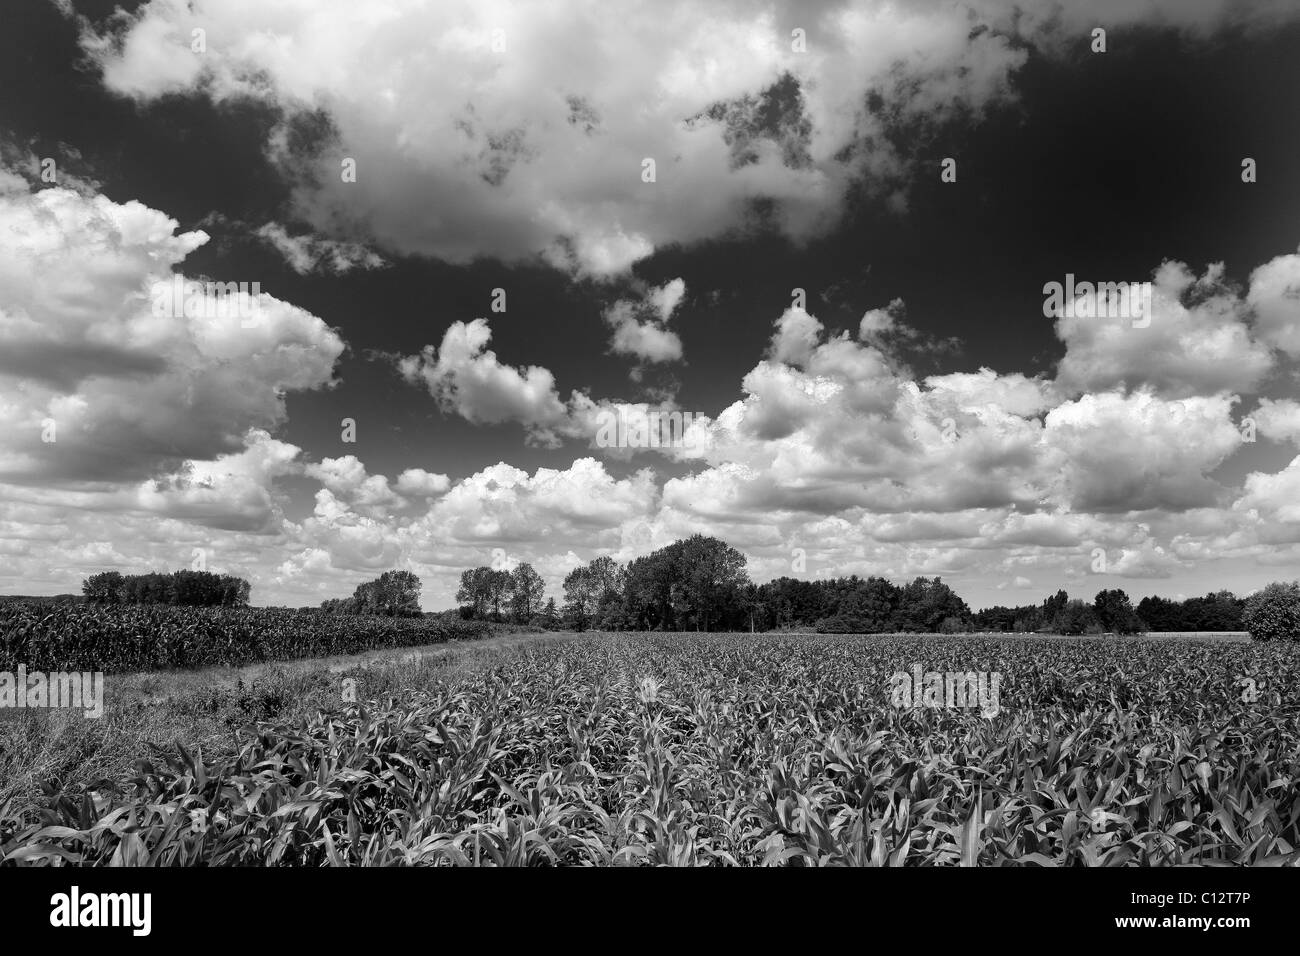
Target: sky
471, 235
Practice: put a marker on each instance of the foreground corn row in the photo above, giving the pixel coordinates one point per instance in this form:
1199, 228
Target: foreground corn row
145, 637
731, 749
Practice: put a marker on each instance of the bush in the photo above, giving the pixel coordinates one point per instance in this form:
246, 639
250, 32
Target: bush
843, 624
1273, 614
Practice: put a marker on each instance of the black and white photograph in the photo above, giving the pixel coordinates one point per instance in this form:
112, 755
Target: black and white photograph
690, 433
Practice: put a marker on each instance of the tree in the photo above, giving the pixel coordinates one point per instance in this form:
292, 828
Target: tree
606, 579
1076, 618
184, 588
474, 591
485, 590
549, 618
1161, 614
103, 588
1273, 613
865, 607
713, 579
235, 592
527, 589
497, 587
952, 624
392, 594
924, 604
1051, 610
789, 602
579, 598
1219, 611
1114, 612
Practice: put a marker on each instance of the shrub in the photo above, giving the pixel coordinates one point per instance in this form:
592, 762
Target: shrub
1273, 613
843, 624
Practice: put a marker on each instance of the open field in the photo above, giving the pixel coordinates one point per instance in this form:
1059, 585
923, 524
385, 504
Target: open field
687, 749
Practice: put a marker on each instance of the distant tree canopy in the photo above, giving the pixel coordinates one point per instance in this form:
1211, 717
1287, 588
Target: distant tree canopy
695, 584
1112, 611
497, 594
392, 594
855, 605
186, 588
1220, 611
1273, 612
701, 583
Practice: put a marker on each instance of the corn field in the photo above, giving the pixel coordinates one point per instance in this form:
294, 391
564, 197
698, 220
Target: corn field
146, 637
689, 750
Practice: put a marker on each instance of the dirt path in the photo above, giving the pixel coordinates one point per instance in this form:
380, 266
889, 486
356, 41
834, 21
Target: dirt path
159, 685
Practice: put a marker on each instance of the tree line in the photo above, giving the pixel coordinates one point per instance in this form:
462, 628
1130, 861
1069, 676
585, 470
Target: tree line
392, 594
701, 583
1112, 611
855, 605
184, 588
1220, 611
498, 595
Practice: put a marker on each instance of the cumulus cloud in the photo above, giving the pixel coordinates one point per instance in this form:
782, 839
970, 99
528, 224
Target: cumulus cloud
307, 253
878, 321
347, 480
885, 329
497, 516
1121, 452
165, 440
418, 483
1275, 297
1278, 419
524, 134
639, 325
797, 334
466, 377
1015, 393
233, 493
95, 383
1274, 501
1148, 560
837, 449
1197, 341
